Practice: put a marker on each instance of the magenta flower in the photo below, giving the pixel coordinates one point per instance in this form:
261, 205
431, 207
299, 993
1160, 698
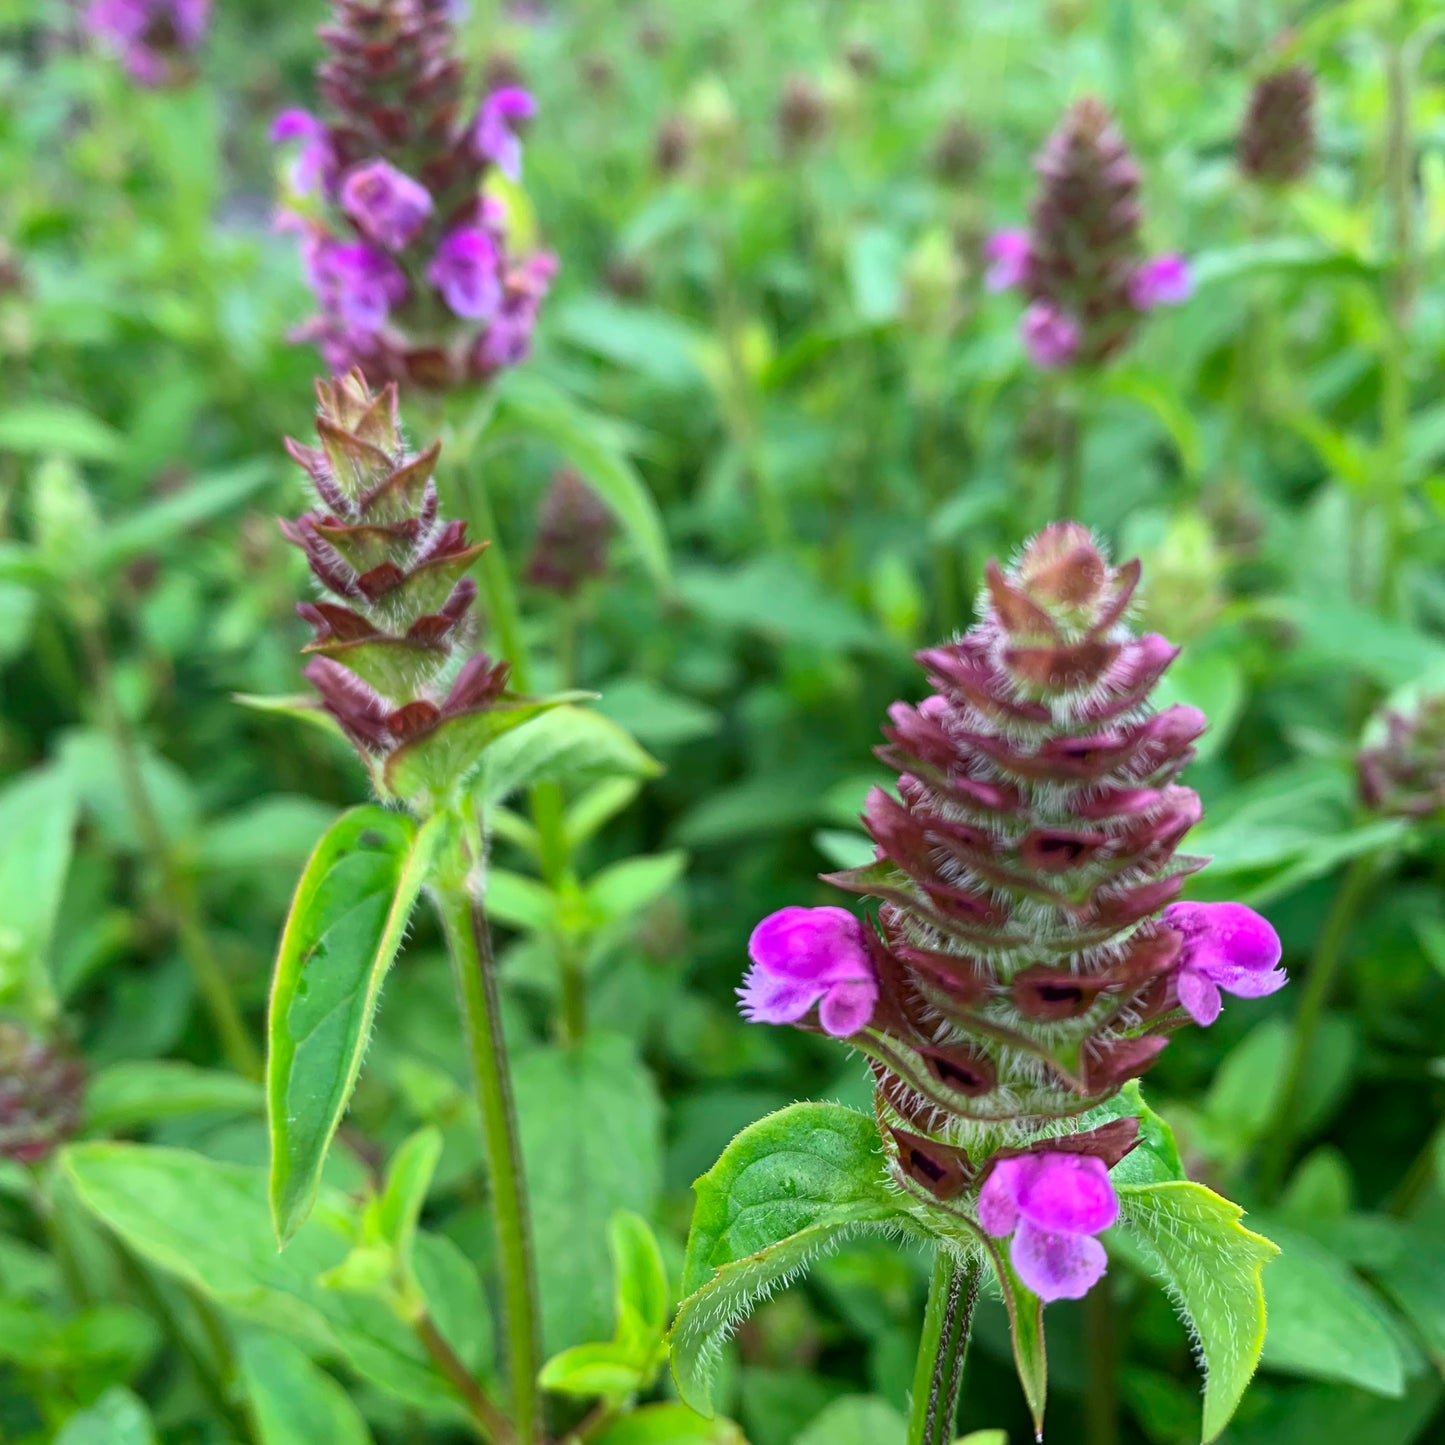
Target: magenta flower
465, 271
316, 160
810, 956
1161, 281
1050, 337
358, 283
1053, 1204
1226, 946
387, 204
150, 36
1007, 253
496, 137
508, 340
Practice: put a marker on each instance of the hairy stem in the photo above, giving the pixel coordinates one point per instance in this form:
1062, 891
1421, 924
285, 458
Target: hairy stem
1101, 1396
1281, 1137
938, 1375
176, 897
474, 971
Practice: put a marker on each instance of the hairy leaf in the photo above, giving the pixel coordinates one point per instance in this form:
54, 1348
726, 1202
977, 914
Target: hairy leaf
1212, 1267
346, 925
787, 1188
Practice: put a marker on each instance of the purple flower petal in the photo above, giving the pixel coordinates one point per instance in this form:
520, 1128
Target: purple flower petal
316, 160
1007, 253
998, 1212
807, 956
465, 271
1070, 1192
1200, 998
1161, 281
388, 205
495, 136
1050, 338
1057, 1264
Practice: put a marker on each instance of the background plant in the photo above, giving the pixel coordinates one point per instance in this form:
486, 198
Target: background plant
790, 349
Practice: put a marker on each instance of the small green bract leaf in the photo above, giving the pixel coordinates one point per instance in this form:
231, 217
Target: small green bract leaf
346, 925
786, 1189
1212, 1266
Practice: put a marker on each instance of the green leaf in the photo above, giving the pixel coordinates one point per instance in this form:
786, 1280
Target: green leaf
37, 835
566, 745
519, 902
1280, 256
856, 1420
293, 1401
140, 1092
267, 832
631, 885
117, 1418
875, 260
602, 1371
983, 1437
434, 765
397, 1210
1212, 1267
1415, 1281
787, 1188
209, 1224
661, 347
591, 1142
640, 1289
541, 409
149, 528
656, 717
1324, 1323
54, 428
668, 1425
1026, 1333
302, 706
346, 924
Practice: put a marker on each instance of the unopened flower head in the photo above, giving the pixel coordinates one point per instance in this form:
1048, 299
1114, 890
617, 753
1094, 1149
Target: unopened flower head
410, 261
156, 40
573, 528
1081, 262
392, 655
1277, 140
1029, 955
41, 1092
1403, 773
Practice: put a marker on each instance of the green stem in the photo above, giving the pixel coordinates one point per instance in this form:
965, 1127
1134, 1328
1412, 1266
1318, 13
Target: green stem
1070, 445
1419, 1175
938, 1375
474, 971
489, 1422
177, 895
946, 604
1319, 984
1394, 360
1101, 1397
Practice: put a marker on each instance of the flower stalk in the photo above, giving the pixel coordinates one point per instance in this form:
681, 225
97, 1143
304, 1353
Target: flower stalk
943, 1349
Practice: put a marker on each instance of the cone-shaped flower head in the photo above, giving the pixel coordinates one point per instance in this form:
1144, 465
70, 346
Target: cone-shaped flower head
1277, 140
1026, 959
1081, 263
573, 528
1404, 773
392, 657
156, 40
409, 260
802, 116
41, 1091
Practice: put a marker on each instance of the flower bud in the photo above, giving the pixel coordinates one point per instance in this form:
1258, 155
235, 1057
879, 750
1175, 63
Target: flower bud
802, 115
1403, 774
958, 151
41, 1092
573, 528
1277, 140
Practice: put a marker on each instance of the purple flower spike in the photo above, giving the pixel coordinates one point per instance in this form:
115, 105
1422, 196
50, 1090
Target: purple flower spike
1050, 337
1053, 1204
1226, 946
465, 271
496, 137
1161, 281
1007, 253
807, 956
387, 204
316, 159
